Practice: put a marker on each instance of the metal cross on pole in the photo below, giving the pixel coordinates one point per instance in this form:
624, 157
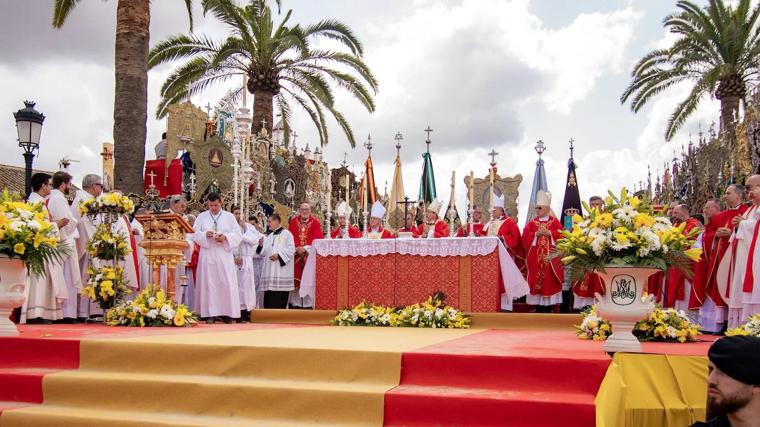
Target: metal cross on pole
369, 145
152, 176
540, 147
398, 138
345, 157
493, 155
427, 140
572, 147
406, 204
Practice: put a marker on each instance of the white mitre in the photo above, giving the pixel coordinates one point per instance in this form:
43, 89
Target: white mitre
543, 198
343, 210
435, 206
498, 201
377, 210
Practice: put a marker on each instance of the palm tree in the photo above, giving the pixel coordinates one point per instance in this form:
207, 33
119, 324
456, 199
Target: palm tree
281, 66
130, 111
717, 50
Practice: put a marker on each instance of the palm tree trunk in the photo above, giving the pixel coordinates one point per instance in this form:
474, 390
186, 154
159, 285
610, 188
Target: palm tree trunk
262, 113
130, 111
729, 112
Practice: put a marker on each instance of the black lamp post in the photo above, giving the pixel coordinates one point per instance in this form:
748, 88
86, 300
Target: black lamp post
29, 126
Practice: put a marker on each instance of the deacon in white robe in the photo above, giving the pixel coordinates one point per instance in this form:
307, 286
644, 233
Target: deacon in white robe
130, 263
46, 291
277, 276
218, 234
143, 267
59, 209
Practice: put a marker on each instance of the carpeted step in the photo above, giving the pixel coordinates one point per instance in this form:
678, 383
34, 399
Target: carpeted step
525, 373
58, 416
22, 384
39, 353
412, 405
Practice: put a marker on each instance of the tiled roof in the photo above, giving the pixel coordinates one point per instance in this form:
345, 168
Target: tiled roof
12, 178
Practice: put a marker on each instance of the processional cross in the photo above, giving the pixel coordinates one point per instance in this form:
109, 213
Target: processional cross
540, 148
493, 155
398, 138
369, 145
572, 147
406, 204
427, 141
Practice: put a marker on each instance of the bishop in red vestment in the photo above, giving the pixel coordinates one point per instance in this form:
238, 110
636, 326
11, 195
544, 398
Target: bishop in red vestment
345, 230
305, 228
376, 229
545, 274
505, 228
409, 226
477, 225
433, 227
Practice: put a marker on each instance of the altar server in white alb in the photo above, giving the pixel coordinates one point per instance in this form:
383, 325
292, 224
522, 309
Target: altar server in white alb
277, 276
92, 186
218, 234
46, 291
60, 212
244, 262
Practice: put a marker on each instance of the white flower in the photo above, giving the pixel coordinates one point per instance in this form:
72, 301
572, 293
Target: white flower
16, 225
428, 313
167, 312
438, 313
153, 313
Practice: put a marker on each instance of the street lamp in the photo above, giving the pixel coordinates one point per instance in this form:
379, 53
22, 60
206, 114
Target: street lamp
28, 126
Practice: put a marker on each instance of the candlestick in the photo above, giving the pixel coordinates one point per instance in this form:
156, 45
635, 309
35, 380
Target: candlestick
348, 190
328, 217
453, 186
471, 221
472, 190
329, 196
365, 234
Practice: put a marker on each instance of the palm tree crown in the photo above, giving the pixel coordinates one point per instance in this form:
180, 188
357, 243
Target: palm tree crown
279, 61
717, 50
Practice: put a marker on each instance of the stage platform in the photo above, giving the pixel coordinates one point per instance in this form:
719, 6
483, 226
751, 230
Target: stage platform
511, 370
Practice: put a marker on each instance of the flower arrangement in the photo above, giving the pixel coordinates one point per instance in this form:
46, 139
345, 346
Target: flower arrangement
111, 203
663, 325
27, 234
593, 327
433, 313
628, 233
107, 245
106, 285
751, 328
151, 307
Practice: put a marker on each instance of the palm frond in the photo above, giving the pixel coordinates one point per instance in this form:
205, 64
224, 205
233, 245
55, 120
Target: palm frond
61, 11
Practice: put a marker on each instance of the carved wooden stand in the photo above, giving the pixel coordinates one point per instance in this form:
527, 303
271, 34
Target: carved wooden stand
164, 243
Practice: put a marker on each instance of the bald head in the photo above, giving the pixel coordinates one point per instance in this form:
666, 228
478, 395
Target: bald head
753, 187
304, 211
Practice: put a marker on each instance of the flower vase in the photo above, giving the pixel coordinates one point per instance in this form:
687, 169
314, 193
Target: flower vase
12, 292
623, 305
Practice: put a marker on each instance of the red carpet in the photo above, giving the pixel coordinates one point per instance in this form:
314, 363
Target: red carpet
499, 378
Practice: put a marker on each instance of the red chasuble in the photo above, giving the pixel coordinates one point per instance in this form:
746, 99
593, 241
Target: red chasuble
441, 229
506, 229
384, 234
675, 281
545, 275
353, 232
591, 283
477, 230
304, 234
714, 248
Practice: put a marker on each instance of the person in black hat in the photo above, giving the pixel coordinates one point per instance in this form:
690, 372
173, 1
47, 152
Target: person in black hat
733, 384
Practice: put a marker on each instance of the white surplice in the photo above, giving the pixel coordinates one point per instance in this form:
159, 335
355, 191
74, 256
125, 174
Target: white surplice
245, 274
85, 231
277, 275
216, 288
141, 259
59, 208
46, 291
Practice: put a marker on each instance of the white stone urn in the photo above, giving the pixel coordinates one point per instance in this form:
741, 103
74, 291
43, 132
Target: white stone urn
12, 287
623, 305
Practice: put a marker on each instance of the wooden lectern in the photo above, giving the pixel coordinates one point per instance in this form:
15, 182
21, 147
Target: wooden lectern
164, 243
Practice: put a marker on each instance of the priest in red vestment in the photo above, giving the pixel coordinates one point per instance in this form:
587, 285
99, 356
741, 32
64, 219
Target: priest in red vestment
409, 225
505, 228
713, 311
376, 229
677, 286
545, 274
305, 228
704, 241
433, 227
345, 230
477, 224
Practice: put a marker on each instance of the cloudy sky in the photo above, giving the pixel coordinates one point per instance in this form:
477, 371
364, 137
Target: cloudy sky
484, 74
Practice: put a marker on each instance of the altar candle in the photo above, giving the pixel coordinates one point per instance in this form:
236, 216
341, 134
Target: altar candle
329, 195
472, 182
348, 190
453, 186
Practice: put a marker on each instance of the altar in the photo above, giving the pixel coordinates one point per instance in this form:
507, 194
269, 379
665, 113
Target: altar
476, 274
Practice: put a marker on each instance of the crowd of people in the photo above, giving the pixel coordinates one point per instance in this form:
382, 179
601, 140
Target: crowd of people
235, 265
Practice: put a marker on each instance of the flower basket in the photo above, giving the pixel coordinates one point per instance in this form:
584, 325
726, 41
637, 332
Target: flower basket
151, 307
433, 313
106, 286
751, 328
107, 245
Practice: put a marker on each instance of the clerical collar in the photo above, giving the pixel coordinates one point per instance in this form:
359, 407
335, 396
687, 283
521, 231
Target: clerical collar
278, 231
543, 218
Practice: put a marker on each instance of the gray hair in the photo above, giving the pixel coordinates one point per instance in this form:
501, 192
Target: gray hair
90, 179
176, 198
742, 190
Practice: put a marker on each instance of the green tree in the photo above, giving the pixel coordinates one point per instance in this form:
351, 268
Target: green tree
717, 49
282, 67
130, 111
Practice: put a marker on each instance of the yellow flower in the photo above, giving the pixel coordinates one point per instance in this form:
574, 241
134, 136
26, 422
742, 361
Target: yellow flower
39, 238
634, 202
581, 251
19, 248
577, 218
179, 319
568, 259
643, 220
693, 254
